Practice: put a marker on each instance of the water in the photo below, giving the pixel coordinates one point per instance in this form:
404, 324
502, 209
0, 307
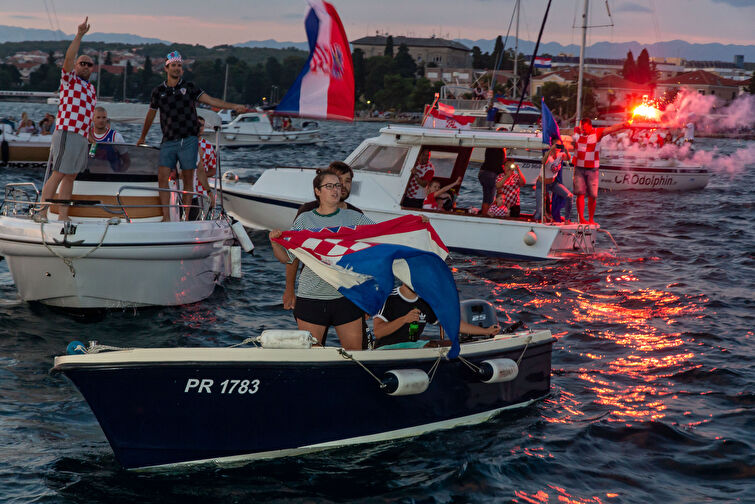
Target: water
652, 397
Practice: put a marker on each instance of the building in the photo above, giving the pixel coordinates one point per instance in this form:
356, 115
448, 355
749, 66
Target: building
562, 77
613, 90
436, 51
705, 83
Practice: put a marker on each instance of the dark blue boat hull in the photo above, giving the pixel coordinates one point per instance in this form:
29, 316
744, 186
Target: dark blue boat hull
158, 414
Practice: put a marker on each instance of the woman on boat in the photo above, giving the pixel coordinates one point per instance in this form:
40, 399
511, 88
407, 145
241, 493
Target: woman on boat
507, 186
318, 304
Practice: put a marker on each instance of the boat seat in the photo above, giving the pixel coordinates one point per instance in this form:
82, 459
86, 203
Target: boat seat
97, 212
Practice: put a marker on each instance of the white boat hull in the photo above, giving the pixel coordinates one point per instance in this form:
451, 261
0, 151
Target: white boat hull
137, 264
274, 138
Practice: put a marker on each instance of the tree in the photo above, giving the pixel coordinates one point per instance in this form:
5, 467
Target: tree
395, 93
9, 77
389, 46
404, 62
360, 73
497, 50
108, 58
629, 71
479, 60
644, 71
378, 67
273, 70
422, 95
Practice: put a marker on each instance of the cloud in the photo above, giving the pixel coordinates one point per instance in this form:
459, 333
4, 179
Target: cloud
20, 16
736, 3
632, 7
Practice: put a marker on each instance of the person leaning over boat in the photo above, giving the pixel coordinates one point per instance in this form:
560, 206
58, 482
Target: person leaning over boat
437, 195
176, 99
318, 304
508, 185
345, 175
69, 142
422, 173
489, 171
403, 308
586, 163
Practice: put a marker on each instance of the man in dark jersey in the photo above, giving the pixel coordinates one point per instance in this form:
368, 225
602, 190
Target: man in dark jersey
403, 308
176, 99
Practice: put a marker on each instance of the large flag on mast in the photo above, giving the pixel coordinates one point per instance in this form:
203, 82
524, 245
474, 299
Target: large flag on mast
325, 86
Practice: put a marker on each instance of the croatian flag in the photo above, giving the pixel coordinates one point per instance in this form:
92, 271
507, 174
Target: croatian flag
542, 62
325, 86
438, 119
361, 262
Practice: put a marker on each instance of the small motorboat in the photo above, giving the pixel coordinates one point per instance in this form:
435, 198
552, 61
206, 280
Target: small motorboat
115, 251
164, 408
257, 128
23, 149
382, 169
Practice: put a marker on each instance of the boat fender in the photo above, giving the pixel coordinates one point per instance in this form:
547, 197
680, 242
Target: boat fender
231, 177
243, 238
235, 252
399, 382
76, 347
530, 238
282, 338
5, 152
497, 370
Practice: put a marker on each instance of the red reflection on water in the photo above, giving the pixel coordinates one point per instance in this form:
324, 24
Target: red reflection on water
559, 495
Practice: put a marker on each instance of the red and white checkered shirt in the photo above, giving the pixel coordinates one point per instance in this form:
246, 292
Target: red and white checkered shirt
209, 160
498, 211
588, 149
424, 172
509, 189
77, 100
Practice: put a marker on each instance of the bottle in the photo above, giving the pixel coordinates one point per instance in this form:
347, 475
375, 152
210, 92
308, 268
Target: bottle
413, 330
92, 149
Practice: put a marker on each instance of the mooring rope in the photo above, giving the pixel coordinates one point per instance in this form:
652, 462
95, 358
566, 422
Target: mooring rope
68, 261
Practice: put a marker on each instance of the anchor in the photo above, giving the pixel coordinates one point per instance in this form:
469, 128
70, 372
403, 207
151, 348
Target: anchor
68, 229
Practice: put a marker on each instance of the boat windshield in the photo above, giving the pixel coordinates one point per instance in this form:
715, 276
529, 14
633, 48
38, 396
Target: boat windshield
121, 163
381, 158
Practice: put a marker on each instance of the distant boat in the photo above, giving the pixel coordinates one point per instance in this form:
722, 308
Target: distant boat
256, 128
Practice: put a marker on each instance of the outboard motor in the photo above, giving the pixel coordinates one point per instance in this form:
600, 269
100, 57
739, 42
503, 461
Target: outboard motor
478, 312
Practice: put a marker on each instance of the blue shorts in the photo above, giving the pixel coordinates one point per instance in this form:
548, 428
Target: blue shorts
586, 181
184, 151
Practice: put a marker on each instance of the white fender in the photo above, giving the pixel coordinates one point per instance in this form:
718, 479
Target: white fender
498, 370
405, 382
282, 338
241, 235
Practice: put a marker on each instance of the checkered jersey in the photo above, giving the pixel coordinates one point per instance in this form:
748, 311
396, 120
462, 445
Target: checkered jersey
510, 189
77, 101
588, 149
424, 172
210, 161
430, 202
498, 211
178, 112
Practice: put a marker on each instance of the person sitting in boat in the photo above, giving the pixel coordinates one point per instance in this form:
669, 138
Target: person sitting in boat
26, 125
437, 196
422, 173
47, 124
101, 133
287, 126
346, 175
552, 162
404, 316
318, 304
207, 165
498, 208
491, 167
508, 185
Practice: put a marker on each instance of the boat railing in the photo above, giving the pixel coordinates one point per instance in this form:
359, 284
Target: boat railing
23, 199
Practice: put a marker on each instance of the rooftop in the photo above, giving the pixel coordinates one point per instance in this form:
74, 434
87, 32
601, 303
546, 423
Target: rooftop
380, 40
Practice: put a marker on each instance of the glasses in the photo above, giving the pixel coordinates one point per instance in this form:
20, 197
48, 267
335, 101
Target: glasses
331, 186
86, 63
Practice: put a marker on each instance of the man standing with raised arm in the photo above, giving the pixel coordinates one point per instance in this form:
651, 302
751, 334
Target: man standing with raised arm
69, 142
176, 99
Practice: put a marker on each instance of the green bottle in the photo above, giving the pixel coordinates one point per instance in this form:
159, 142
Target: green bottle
413, 330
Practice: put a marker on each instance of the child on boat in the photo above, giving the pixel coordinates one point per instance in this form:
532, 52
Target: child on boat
437, 196
498, 208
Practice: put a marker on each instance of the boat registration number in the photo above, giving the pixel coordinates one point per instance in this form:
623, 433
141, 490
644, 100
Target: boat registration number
208, 386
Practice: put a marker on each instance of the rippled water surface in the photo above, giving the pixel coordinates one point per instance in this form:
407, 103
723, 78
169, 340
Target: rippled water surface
652, 397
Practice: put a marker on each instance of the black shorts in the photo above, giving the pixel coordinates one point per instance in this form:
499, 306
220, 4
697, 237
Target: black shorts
326, 312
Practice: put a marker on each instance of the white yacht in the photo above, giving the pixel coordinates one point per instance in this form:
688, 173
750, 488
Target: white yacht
258, 128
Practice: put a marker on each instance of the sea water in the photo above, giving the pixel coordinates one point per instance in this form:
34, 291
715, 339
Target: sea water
652, 387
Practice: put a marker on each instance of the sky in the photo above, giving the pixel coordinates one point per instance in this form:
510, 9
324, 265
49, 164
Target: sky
232, 21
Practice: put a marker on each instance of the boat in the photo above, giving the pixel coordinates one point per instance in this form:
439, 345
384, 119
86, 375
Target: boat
115, 251
382, 167
168, 408
256, 129
23, 149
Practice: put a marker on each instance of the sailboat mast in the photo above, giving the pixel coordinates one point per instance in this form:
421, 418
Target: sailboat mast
516, 49
581, 64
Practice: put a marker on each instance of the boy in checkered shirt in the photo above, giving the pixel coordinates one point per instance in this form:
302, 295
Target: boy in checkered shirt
70, 141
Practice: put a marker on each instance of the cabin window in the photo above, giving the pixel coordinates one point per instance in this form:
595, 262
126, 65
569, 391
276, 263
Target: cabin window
251, 119
443, 162
381, 158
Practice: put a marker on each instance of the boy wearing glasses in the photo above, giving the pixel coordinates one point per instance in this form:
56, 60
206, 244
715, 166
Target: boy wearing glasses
70, 142
176, 100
